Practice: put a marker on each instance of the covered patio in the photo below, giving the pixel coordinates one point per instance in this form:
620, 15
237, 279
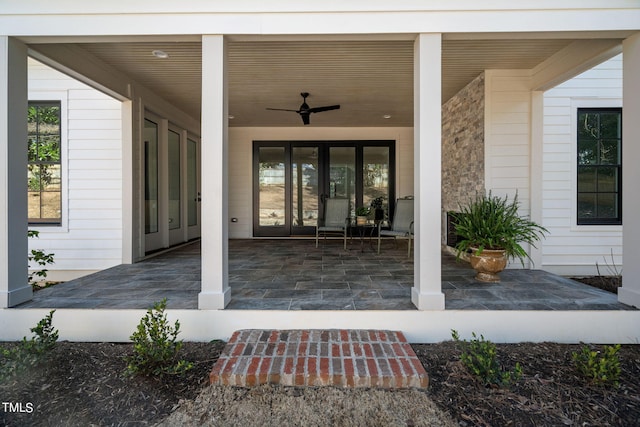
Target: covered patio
291, 274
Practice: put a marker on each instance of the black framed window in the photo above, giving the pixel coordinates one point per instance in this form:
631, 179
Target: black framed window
599, 166
44, 176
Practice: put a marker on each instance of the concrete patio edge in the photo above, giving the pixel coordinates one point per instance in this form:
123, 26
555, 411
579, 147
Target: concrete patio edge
116, 325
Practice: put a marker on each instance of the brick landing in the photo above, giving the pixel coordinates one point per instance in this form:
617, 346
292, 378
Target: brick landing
338, 357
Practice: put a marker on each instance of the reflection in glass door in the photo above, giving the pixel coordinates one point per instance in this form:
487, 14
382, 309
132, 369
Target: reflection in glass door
304, 194
153, 239
375, 176
193, 190
271, 194
342, 175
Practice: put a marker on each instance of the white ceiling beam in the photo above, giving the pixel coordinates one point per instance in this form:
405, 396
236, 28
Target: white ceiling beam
576, 58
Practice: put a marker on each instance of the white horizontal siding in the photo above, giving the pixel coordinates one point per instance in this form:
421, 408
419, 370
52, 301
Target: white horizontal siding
572, 249
90, 237
507, 140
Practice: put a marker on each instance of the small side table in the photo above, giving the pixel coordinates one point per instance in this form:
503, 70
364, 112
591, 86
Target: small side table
362, 230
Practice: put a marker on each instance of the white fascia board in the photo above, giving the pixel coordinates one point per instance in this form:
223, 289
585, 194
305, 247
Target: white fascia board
321, 18
275, 6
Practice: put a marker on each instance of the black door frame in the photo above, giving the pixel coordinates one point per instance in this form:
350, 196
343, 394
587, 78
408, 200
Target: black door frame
323, 179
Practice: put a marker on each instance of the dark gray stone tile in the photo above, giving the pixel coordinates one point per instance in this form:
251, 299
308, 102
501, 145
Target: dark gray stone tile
333, 304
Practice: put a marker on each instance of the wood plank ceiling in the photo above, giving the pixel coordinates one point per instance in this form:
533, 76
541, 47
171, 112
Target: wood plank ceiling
368, 78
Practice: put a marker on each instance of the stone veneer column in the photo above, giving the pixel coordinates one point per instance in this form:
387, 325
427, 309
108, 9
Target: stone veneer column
14, 287
215, 292
426, 293
629, 293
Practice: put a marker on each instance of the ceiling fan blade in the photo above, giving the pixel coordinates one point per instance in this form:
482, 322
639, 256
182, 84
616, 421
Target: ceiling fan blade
305, 118
282, 109
327, 108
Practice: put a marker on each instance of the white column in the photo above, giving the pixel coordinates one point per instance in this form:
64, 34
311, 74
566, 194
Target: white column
630, 291
535, 178
215, 292
14, 288
128, 182
426, 293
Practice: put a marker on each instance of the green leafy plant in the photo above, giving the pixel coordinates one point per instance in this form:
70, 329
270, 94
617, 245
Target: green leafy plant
40, 258
362, 211
28, 353
598, 368
155, 345
480, 358
492, 222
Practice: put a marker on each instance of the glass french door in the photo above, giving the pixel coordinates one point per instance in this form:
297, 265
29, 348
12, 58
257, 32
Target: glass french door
171, 185
293, 179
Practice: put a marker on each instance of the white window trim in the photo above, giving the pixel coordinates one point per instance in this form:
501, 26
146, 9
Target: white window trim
63, 97
575, 105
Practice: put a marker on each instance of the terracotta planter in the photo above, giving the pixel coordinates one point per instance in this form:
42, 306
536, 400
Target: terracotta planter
488, 264
361, 220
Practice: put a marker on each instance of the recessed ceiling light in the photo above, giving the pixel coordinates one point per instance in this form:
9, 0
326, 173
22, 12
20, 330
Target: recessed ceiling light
386, 116
160, 54
231, 117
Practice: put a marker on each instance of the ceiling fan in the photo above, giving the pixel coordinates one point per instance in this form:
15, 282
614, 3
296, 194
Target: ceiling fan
304, 109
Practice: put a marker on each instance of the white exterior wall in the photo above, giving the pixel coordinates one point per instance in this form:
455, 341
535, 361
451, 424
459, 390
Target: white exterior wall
507, 136
241, 166
571, 249
90, 237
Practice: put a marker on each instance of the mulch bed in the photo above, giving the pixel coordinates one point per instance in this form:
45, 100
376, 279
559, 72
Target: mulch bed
83, 384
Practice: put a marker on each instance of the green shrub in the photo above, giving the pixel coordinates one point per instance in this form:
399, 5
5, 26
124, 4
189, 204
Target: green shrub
598, 368
492, 222
28, 353
480, 358
155, 345
39, 257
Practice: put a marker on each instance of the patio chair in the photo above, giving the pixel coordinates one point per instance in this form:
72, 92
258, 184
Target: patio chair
402, 225
336, 219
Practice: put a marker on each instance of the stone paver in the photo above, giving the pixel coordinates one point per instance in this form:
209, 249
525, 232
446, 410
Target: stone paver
336, 357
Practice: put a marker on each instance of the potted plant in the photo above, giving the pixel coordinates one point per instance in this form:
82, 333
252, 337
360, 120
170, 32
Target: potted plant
492, 230
376, 205
361, 215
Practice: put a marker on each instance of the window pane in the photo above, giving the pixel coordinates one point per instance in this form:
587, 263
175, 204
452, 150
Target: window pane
34, 204
50, 177
586, 179
587, 152
607, 205
33, 179
271, 202
608, 179
588, 126
376, 175
587, 205
304, 181
342, 175
174, 181
192, 182
610, 152
50, 206
150, 177
610, 126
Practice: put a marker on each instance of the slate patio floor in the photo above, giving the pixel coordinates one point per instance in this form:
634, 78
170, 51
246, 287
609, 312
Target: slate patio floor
291, 274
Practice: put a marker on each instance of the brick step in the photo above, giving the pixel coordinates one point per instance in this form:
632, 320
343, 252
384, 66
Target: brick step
338, 357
